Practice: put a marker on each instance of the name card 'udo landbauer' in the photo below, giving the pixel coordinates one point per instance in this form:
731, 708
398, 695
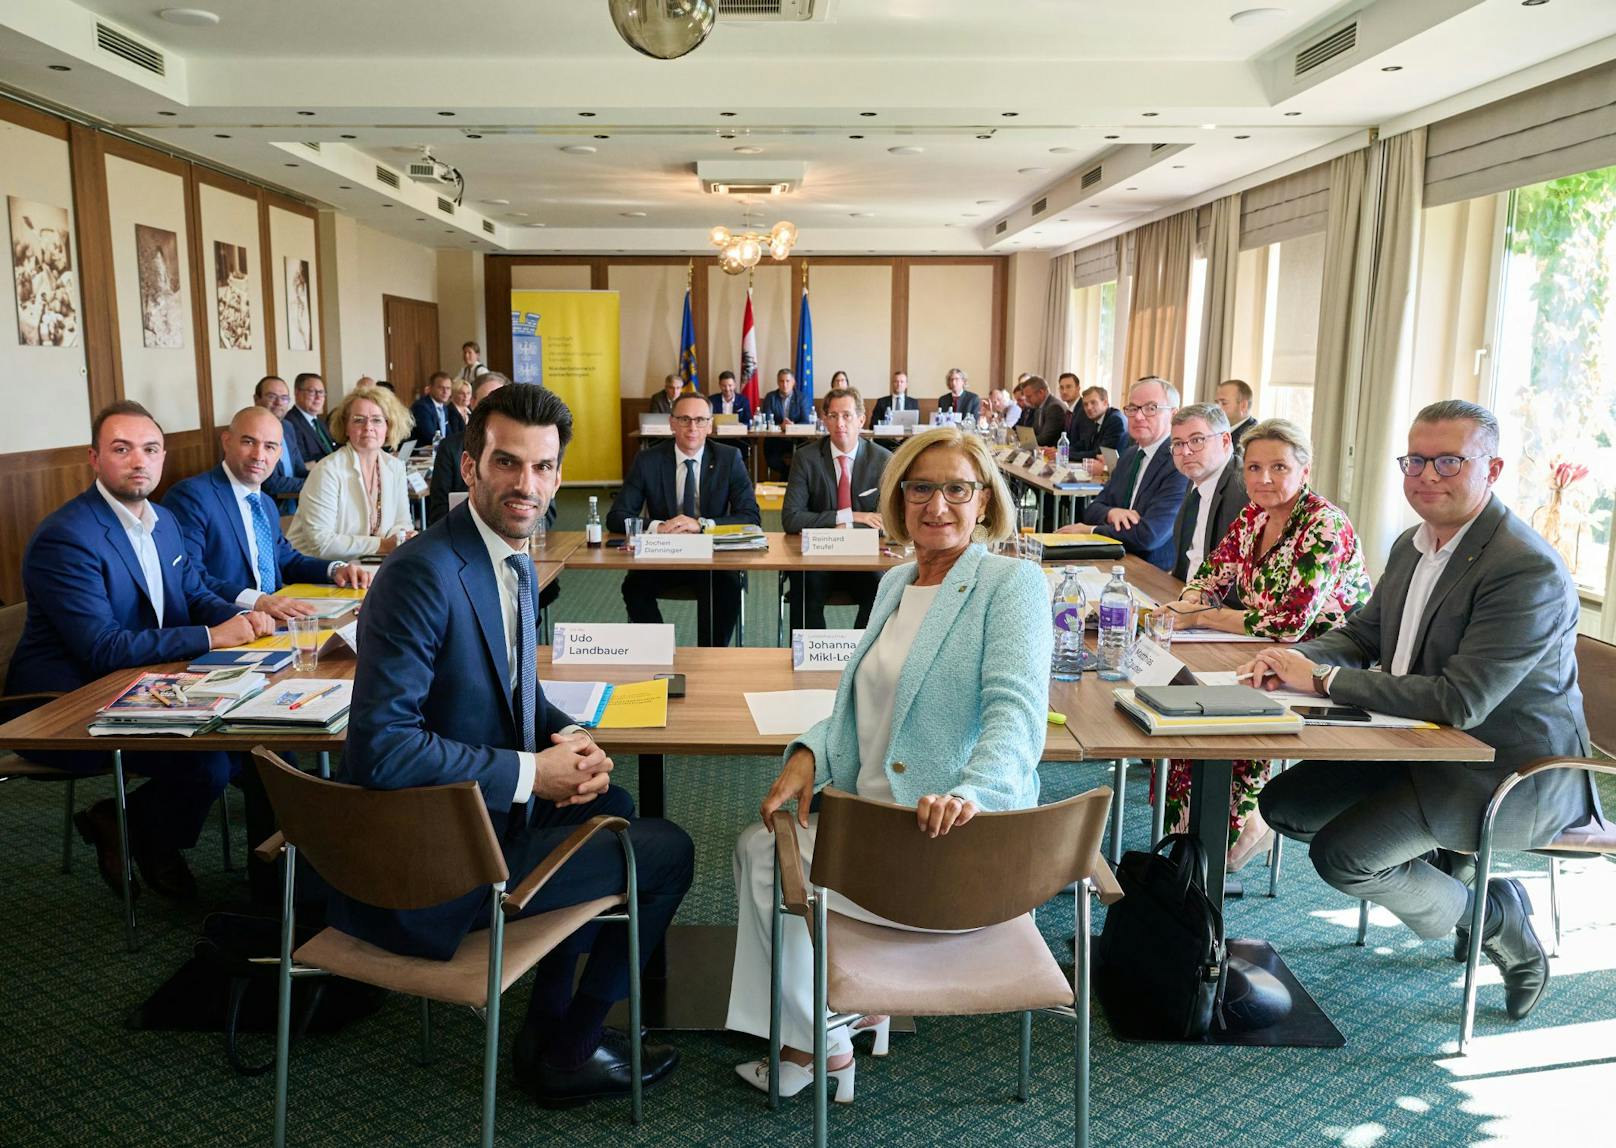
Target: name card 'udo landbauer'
674, 547
613, 643
856, 542
823, 649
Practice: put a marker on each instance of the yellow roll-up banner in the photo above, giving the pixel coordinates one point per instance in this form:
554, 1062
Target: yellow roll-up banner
568, 341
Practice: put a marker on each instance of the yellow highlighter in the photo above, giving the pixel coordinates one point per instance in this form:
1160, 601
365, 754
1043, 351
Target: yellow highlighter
1056, 719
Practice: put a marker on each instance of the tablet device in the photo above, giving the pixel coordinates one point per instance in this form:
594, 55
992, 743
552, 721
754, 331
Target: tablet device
1208, 701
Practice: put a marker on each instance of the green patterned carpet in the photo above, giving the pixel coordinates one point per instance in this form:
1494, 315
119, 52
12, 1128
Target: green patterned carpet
75, 1076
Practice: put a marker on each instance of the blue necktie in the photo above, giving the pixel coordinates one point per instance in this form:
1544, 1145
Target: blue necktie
687, 505
267, 581
527, 671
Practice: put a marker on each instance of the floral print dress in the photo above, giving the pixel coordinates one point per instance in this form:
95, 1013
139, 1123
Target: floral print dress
1308, 583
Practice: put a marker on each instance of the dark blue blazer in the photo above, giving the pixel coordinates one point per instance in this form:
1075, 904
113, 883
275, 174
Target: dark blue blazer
427, 423
432, 706
216, 539
1087, 436
279, 482
648, 492
88, 614
798, 410
742, 411
309, 448
1161, 491
886, 404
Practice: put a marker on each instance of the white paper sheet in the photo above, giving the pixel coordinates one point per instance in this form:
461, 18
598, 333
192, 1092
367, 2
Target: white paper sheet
789, 711
581, 701
1199, 635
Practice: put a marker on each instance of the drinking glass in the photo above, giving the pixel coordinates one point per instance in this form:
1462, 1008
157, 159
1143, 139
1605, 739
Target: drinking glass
1159, 627
631, 534
305, 643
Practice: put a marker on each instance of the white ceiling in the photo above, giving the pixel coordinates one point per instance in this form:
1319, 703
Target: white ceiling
370, 80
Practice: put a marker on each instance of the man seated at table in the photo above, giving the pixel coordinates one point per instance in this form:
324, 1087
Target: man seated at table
1473, 625
683, 487
1095, 424
898, 400
787, 406
110, 588
729, 400
1216, 492
1069, 390
1140, 501
446, 691
662, 401
1234, 396
274, 396
1046, 415
306, 420
956, 399
835, 483
436, 418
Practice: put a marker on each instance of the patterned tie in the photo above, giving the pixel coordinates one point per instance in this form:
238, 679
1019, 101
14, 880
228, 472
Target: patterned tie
844, 484
527, 672
687, 505
267, 581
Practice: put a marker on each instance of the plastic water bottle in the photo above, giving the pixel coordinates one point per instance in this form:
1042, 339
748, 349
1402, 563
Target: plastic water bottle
592, 530
1070, 608
968, 424
1063, 452
1116, 627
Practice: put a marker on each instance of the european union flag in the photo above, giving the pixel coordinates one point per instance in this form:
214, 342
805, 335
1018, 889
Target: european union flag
687, 351
804, 366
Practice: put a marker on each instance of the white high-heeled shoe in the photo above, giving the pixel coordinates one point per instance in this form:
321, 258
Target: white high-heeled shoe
795, 1077
882, 1033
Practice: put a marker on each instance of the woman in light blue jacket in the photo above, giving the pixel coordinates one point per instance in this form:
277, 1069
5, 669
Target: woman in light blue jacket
942, 707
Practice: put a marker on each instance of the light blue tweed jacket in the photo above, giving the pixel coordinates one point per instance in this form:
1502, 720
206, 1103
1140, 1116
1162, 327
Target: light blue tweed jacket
973, 697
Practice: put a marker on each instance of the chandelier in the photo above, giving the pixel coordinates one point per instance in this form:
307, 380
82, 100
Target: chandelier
742, 250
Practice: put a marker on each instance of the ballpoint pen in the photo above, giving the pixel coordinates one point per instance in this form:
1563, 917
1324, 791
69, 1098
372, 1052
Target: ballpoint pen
303, 701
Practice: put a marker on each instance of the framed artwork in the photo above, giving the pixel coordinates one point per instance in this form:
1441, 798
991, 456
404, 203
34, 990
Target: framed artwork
42, 271
235, 304
157, 261
299, 327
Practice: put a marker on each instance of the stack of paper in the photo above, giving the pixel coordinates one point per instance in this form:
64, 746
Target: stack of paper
309, 705
234, 682
637, 705
789, 712
740, 536
1155, 723
583, 702
159, 704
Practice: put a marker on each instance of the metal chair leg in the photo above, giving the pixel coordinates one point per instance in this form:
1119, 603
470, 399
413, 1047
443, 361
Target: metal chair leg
1119, 774
1478, 925
1024, 1082
1554, 902
1363, 923
636, 1048
1080, 975
325, 765
496, 960
283, 999
224, 833
776, 972
1158, 808
821, 991
1276, 853
121, 806
67, 830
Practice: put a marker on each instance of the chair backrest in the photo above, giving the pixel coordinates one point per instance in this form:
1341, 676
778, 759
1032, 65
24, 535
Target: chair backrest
395, 849
11, 623
1596, 675
992, 869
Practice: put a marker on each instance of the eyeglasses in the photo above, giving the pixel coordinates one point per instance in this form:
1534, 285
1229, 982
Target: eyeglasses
1447, 465
1191, 445
957, 492
692, 420
1149, 410
366, 421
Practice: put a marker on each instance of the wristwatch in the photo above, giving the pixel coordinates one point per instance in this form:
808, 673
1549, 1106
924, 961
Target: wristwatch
1321, 680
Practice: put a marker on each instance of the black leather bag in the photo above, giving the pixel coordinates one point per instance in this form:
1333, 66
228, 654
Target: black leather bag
1161, 961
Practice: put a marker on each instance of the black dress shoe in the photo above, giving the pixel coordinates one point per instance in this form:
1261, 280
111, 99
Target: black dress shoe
1514, 947
168, 875
98, 826
605, 1074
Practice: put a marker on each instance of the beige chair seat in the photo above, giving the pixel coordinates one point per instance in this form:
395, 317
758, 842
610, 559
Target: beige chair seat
463, 978
1597, 836
1002, 968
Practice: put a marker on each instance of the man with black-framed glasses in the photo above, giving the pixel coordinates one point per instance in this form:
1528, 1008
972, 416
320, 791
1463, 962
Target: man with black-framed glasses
1473, 625
1203, 452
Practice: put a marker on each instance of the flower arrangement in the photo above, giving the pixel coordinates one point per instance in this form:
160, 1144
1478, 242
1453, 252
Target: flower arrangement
1557, 522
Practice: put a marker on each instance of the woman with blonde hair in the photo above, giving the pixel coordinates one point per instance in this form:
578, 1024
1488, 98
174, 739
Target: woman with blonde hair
942, 708
356, 500
460, 398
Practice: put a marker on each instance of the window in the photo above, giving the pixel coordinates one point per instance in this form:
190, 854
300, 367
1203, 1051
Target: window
1196, 318
1276, 325
1094, 328
1555, 370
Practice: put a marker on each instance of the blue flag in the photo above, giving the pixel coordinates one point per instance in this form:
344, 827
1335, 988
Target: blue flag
804, 366
687, 351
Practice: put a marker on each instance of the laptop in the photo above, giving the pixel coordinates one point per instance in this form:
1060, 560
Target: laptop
655, 424
405, 449
906, 418
1110, 458
1026, 436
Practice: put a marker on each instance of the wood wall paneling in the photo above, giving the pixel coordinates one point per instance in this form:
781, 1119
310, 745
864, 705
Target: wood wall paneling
103, 349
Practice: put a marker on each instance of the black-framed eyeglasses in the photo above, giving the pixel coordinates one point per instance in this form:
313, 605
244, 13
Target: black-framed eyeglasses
1447, 465
1191, 445
1149, 410
692, 420
957, 492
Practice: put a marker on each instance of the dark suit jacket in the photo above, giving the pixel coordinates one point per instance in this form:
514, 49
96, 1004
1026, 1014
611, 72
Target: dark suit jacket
661, 404
725, 493
1161, 490
798, 410
1049, 422
969, 404
446, 480
1088, 436
204, 506
309, 447
427, 423
742, 411
1229, 498
279, 482
1237, 432
886, 404
88, 613
1495, 655
432, 706
810, 499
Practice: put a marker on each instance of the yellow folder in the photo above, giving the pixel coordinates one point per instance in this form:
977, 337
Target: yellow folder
637, 705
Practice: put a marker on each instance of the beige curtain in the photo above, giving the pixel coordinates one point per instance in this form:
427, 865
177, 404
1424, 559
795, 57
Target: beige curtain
1056, 353
1377, 506
1340, 326
1222, 251
1161, 292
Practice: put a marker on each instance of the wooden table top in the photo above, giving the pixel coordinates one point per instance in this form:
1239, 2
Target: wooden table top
1032, 475
784, 553
557, 545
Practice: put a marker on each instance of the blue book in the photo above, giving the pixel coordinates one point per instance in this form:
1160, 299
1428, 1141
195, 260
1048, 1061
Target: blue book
263, 661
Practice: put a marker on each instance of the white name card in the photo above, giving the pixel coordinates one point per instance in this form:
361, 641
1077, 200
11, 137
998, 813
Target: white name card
726, 430
802, 429
1152, 665
823, 649
416, 482
855, 542
674, 547
613, 643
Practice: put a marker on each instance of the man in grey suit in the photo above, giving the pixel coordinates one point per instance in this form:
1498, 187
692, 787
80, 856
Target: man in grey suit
834, 483
1474, 625
1204, 453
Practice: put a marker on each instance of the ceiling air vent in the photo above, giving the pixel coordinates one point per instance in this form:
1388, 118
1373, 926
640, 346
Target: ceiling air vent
1337, 43
488, 226
446, 205
314, 147
1091, 177
126, 47
1001, 227
383, 175
773, 10
1157, 147
1040, 205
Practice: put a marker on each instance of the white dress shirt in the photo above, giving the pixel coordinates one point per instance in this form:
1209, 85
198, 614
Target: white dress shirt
1144, 468
509, 613
844, 517
679, 460
1426, 574
138, 529
726, 406
875, 688
1199, 543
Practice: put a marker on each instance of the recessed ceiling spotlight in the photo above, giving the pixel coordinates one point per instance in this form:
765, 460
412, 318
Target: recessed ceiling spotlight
291, 165
1113, 137
1094, 205
445, 113
1209, 127
1293, 113
985, 136
601, 137
632, 214
497, 202
344, 187
59, 67
1063, 220
1061, 150
726, 114
168, 113
387, 205
748, 151
726, 135
905, 149
1030, 170
474, 135
984, 203
860, 214
305, 113
579, 149
448, 231
867, 115
1392, 68
220, 136
349, 137
1009, 115
1242, 137
1150, 115
420, 219
970, 215
849, 137
1178, 167
190, 17
587, 115
1533, 3
1130, 189
1256, 15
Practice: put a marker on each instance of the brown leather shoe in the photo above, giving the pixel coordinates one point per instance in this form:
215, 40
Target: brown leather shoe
98, 826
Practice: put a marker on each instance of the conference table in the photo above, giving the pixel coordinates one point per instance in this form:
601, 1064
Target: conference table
1033, 476
753, 440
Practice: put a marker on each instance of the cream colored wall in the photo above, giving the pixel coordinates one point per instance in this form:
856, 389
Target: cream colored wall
1028, 293
368, 265
461, 306
652, 305
852, 310
43, 389
950, 325
163, 379
772, 301
551, 277
293, 236
231, 218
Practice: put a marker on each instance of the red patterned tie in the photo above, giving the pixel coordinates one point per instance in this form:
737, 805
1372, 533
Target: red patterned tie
844, 485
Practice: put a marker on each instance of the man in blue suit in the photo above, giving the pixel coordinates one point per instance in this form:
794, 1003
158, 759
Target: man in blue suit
110, 588
1140, 501
785, 405
1095, 424
729, 401
272, 394
232, 530
683, 487
306, 420
436, 418
446, 691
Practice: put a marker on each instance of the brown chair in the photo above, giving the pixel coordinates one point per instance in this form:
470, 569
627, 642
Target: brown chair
1596, 673
412, 849
988, 875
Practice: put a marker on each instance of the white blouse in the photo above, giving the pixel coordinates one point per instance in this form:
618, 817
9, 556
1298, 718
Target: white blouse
875, 688
333, 508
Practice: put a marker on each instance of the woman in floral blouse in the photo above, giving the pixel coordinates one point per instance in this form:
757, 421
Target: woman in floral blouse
1292, 562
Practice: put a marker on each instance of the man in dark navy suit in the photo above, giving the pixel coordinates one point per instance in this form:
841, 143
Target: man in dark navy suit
446, 690
306, 420
274, 396
683, 487
898, 400
729, 401
957, 400
436, 418
110, 588
1094, 424
1140, 501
